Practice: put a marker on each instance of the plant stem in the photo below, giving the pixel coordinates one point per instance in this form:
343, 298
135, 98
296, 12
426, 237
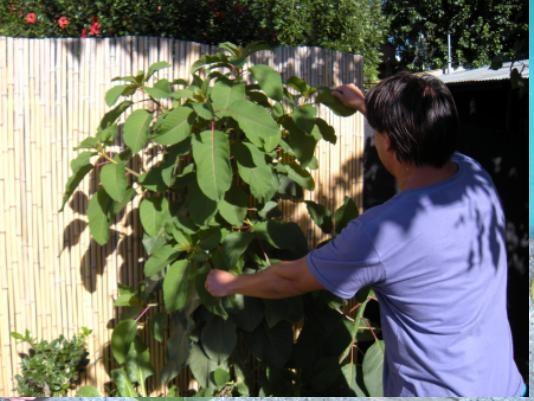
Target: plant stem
129, 170
143, 312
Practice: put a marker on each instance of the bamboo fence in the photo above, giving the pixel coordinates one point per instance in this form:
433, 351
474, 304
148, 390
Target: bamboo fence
53, 278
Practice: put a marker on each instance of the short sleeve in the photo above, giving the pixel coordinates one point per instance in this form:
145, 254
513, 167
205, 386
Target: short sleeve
347, 263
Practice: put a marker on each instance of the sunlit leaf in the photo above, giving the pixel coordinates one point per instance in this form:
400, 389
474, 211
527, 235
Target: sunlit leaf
373, 369
256, 123
270, 81
173, 127
113, 179
153, 213
97, 213
211, 152
80, 166
136, 129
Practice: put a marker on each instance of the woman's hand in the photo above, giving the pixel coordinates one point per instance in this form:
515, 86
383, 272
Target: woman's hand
219, 283
351, 96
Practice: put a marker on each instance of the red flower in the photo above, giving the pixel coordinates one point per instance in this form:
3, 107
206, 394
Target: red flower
31, 18
84, 33
218, 14
63, 22
95, 27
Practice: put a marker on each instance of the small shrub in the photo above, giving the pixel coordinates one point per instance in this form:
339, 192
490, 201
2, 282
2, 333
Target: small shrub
51, 368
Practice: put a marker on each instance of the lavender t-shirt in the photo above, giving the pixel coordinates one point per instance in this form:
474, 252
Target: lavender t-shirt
436, 258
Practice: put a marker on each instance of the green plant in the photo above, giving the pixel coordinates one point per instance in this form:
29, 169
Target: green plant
226, 149
51, 368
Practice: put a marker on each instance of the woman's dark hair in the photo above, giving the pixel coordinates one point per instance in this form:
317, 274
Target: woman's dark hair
419, 116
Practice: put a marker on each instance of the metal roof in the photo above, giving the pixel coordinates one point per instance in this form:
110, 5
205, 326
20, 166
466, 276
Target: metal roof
483, 73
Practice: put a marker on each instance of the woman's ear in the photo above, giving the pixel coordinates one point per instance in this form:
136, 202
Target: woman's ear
387, 142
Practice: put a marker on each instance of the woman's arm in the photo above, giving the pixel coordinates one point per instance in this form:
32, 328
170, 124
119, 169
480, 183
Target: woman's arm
282, 280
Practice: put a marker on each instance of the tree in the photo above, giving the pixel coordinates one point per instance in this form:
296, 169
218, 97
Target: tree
228, 147
481, 31
355, 26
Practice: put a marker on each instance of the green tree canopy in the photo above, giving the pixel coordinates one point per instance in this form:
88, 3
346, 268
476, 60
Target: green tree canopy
480, 31
355, 26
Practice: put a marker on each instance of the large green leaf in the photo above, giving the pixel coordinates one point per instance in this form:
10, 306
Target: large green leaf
160, 90
112, 95
88, 143
344, 214
127, 297
325, 97
224, 93
138, 366
233, 247
255, 171
88, 391
203, 110
178, 346
302, 144
210, 238
304, 117
153, 179
283, 235
156, 67
154, 212
80, 166
176, 286
201, 366
113, 179
125, 388
201, 208
270, 81
256, 123
373, 369
233, 208
320, 215
107, 135
220, 377
97, 213
111, 116
350, 372
326, 131
122, 337
159, 259
211, 152
298, 174
136, 130
219, 338
173, 127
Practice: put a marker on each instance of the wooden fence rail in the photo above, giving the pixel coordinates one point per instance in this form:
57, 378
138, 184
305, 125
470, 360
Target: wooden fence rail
53, 278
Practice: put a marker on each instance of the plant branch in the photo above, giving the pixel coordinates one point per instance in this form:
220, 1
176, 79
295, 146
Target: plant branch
129, 170
143, 312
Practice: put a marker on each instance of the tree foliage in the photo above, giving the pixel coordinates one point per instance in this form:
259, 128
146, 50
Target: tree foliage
481, 31
227, 147
355, 26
